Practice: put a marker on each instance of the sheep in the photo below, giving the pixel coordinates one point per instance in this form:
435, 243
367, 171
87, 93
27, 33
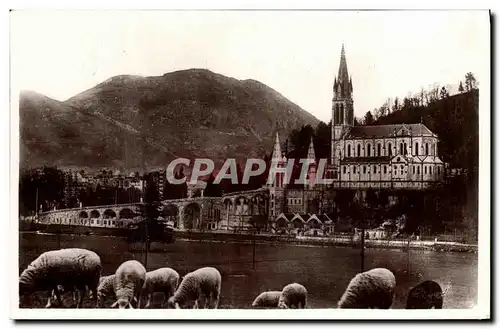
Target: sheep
72, 267
204, 281
267, 299
370, 289
163, 280
105, 289
425, 295
130, 278
62, 290
293, 295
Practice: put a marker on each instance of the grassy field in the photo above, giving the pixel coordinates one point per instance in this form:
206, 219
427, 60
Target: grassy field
324, 271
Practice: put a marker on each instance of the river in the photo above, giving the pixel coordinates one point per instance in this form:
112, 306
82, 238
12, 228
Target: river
324, 271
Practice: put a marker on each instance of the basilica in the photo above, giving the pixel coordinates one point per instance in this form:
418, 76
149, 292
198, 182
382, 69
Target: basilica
393, 157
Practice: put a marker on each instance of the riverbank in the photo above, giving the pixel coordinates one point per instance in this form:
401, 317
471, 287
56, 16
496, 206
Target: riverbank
223, 236
326, 241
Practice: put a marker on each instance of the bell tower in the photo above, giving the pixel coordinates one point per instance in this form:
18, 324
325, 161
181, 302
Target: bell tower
342, 106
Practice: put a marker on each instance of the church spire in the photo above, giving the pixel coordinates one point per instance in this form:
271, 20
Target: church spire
343, 75
277, 148
310, 153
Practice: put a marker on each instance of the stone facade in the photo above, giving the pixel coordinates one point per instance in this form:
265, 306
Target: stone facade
401, 156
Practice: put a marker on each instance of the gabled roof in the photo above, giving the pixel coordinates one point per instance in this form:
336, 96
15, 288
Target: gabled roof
315, 218
381, 131
287, 217
426, 159
400, 159
300, 217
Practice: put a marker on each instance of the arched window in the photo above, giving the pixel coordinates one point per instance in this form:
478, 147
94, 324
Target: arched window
348, 150
389, 148
359, 150
369, 151
416, 148
379, 149
401, 148
426, 148
341, 119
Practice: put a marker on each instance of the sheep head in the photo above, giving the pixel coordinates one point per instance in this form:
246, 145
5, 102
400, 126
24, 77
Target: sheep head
281, 304
171, 303
122, 303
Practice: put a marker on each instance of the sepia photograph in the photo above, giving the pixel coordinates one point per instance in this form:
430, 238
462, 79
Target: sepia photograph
232, 164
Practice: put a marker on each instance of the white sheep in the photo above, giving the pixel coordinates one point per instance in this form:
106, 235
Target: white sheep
205, 281
105, 289
72, 267
267, 299
130, 278
370, 289
293, 295
163, 280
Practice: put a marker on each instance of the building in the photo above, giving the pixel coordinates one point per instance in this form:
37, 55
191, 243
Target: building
393, 157
379, 156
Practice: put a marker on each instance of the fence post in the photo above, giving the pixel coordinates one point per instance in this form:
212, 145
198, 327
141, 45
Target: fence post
362, 248
253, 256
408, 269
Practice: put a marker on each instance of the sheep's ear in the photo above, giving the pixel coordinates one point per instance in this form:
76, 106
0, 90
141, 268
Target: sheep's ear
114, 304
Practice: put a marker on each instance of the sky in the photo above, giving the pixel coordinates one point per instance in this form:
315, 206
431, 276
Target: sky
389, 53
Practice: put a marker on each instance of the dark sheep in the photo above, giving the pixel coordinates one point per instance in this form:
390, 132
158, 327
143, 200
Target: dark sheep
425, 295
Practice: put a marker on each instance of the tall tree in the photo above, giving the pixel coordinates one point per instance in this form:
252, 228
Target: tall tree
460, 87
470, 81
213, 190
322, 139
368, 118
397, 105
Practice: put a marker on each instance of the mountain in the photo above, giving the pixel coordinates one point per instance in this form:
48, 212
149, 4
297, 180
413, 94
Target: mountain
128, 122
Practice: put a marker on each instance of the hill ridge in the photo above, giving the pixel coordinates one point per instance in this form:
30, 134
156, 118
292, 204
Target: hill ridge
129, 121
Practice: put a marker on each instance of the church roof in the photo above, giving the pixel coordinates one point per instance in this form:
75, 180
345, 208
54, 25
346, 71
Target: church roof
381, 131
382, 159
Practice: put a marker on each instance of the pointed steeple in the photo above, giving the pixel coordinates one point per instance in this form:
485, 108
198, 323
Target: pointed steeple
343, 75
311, 175
277, 148
310, 152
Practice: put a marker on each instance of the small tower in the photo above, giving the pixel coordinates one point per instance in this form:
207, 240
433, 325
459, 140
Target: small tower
277, 188
311, 175
278, 157
342, 106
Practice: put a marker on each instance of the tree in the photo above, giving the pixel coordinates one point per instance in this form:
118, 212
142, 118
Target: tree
470, 81
444, 93
212, 190
396, 106
322, 139
461, 87
433, 94
259, 222
368, 118
300, 139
